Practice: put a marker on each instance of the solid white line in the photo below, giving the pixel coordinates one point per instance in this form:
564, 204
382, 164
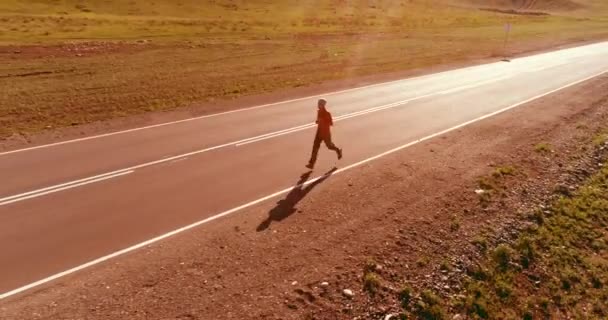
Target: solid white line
260, 200
556, 52
71, 186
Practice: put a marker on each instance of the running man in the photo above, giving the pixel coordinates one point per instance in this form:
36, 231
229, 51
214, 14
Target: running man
324, 123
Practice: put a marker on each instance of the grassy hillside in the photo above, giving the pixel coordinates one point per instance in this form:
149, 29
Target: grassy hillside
52, 20
68, 62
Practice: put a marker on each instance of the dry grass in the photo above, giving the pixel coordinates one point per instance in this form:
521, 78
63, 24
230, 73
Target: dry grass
222, 49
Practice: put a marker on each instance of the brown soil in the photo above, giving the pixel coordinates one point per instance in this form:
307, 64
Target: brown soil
75, 49
397, 211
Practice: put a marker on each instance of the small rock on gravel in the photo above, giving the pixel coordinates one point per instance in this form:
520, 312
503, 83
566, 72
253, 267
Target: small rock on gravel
348, 293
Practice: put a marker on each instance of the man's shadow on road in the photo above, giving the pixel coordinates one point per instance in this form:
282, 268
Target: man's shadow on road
287, 206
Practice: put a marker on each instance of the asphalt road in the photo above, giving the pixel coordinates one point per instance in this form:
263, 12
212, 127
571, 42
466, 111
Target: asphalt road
67, 205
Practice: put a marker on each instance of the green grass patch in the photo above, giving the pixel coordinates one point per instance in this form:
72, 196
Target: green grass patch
600, 139
454, 224
429, 307
481, 243
543, 147
493, 184
445, 266
405, 296
503, 171
422, 261
560, 266
371, 282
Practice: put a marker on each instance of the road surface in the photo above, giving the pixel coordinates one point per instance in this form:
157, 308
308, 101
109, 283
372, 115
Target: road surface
67, 206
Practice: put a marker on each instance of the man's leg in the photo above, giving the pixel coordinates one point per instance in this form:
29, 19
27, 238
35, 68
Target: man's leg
331, 146
315, 151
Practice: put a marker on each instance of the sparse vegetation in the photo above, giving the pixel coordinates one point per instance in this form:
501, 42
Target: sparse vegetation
503, 171
454, 224
371, 282
494, 184
502, 257
600, 139
405, 296
445, 266
429, 307
370, 266
422, 261
557, 265
481, 243
559, 259
543, 148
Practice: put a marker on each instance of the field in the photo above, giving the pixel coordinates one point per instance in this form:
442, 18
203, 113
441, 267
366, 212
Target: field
68, 62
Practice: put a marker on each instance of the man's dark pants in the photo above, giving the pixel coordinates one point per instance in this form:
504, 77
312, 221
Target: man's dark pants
317, 144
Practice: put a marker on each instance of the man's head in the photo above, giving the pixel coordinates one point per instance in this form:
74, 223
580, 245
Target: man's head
321, 104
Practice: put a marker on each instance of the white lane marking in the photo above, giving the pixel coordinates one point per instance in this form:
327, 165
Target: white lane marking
339, 118
180, 159
545, 67
474, 85
56, 186
260, 200
304, 126
310, 126
70, 186
556, 53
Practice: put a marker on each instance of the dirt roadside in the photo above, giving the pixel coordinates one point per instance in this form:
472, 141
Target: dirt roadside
397, 211
220, 105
